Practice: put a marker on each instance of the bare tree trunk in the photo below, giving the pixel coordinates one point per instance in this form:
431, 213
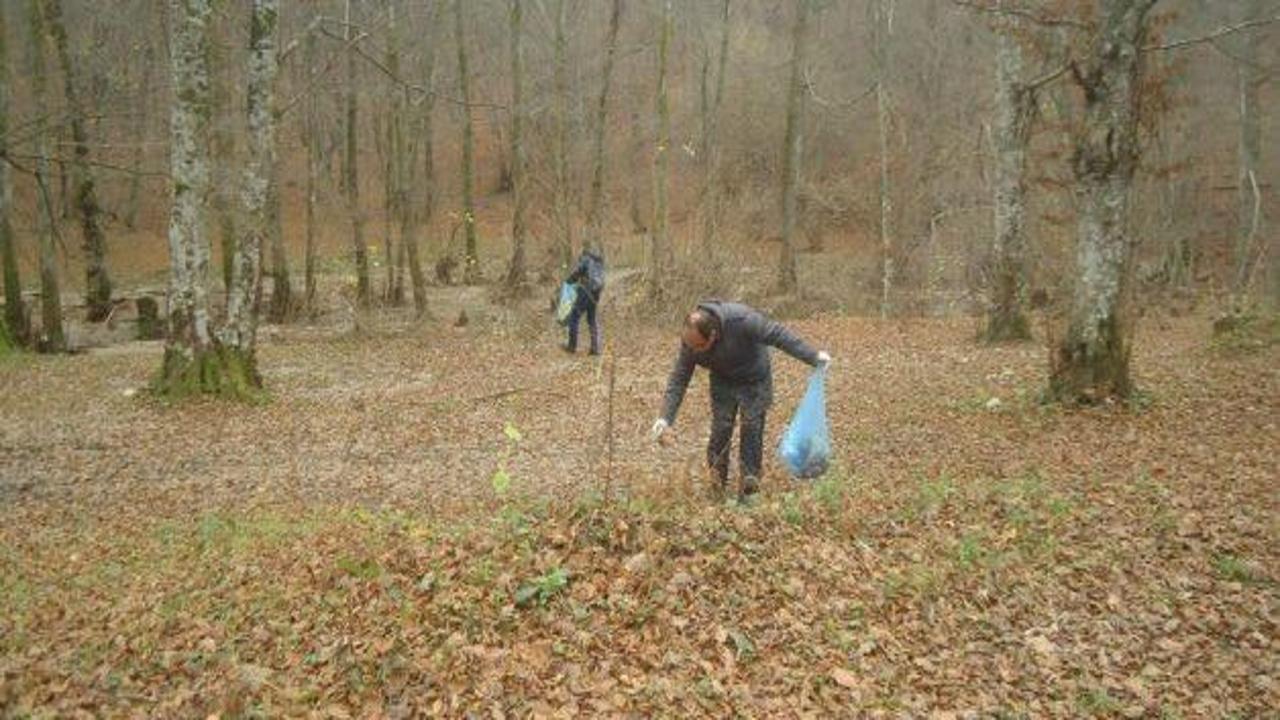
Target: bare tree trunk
140, 128
52, 337
311, 146
223, 141
191, 363
516, 274
882, 30
351, 179
792, 147
638, 145
15, 311
564, 223
1092, 361
660, 254
397, 164
1015, 109
97, 281
282, 303
595, 208
1251, 76
471, 261
239, 335
711, 142
420, 208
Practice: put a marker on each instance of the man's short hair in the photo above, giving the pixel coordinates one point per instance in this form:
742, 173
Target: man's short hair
704, 322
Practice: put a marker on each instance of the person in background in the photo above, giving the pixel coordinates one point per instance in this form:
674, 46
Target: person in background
588, 275
732, 341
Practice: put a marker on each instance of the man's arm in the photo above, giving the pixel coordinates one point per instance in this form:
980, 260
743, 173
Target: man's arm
774, 333
677, 383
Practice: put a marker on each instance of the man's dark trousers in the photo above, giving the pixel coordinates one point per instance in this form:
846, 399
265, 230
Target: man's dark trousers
584, 305
729, 400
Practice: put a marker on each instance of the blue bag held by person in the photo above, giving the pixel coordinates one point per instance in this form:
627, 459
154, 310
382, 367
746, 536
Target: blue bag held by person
805, 447
564, 305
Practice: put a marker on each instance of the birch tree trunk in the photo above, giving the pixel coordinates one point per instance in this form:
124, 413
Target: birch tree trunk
97, 281
595, 206
564, 223
1091, 363
711, 142
52, 338
660, 253
239, 336
1015, 109
471, 260
882, 30
351, 176
792, 148
516, 273
191, 363
15, 311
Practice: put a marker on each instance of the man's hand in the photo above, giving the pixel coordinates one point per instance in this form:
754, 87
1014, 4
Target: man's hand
659, 428
824, 360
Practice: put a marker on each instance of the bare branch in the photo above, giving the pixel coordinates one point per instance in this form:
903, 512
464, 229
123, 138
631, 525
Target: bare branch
1028, 15
412, 86
1048, 77
1225, 30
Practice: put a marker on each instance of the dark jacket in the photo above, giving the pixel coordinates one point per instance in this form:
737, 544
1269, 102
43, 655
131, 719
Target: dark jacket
589, 274
739, 356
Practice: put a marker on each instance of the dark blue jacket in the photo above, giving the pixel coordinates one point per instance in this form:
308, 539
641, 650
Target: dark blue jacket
739, 356
589, 274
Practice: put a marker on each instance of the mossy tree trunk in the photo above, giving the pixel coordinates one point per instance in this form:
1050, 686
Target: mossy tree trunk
1091, 362
1015, 108
15, 311
194, 363
97, 280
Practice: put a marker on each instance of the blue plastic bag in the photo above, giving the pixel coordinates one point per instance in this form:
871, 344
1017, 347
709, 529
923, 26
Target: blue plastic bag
805, 447
564, 306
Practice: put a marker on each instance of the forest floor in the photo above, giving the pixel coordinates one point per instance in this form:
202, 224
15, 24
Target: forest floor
441, 520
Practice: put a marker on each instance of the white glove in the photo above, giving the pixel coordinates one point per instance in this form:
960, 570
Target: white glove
824, 360
659, 427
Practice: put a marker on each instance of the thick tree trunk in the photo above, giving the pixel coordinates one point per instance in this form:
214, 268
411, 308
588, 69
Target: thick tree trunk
351, 178
52, 338
516, 275
792, 148
882, 29
240, 332
660, 253
1091, 363
471, 260
97, 281
711, 142
15, 311
560, 62
192, 361
1015, 109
